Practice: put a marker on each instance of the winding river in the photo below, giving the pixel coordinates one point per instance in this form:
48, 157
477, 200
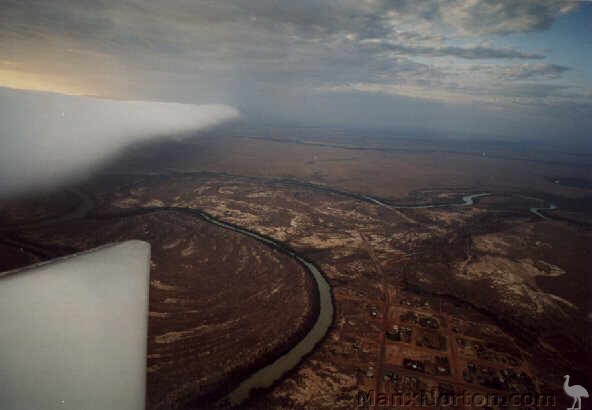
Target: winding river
267, 375
466, 200
537, 211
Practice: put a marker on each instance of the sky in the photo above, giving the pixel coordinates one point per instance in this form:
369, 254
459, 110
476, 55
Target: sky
514, 69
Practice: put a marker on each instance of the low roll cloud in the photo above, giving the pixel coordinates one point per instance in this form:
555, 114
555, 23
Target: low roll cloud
48, 139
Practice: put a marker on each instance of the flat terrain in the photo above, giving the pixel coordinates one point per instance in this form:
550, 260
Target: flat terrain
389, 168
487, 298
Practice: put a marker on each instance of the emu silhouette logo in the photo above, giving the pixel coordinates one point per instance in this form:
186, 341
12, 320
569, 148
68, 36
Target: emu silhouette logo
576, 392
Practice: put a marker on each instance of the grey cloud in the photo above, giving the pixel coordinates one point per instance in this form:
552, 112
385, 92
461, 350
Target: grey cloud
531, 71
47, 138
538, 90
504, 16
177, 27
469, 52
289, 41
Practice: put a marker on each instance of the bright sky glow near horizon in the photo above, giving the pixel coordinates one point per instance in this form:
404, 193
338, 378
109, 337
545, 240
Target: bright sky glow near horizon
510, 68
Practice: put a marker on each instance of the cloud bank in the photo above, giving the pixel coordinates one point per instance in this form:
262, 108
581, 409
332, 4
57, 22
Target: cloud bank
47, 139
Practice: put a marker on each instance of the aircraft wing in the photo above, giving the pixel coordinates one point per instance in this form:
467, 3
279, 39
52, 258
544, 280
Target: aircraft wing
73, 332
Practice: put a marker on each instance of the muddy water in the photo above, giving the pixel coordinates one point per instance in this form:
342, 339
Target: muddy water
537, 211
467, 200
267, 375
